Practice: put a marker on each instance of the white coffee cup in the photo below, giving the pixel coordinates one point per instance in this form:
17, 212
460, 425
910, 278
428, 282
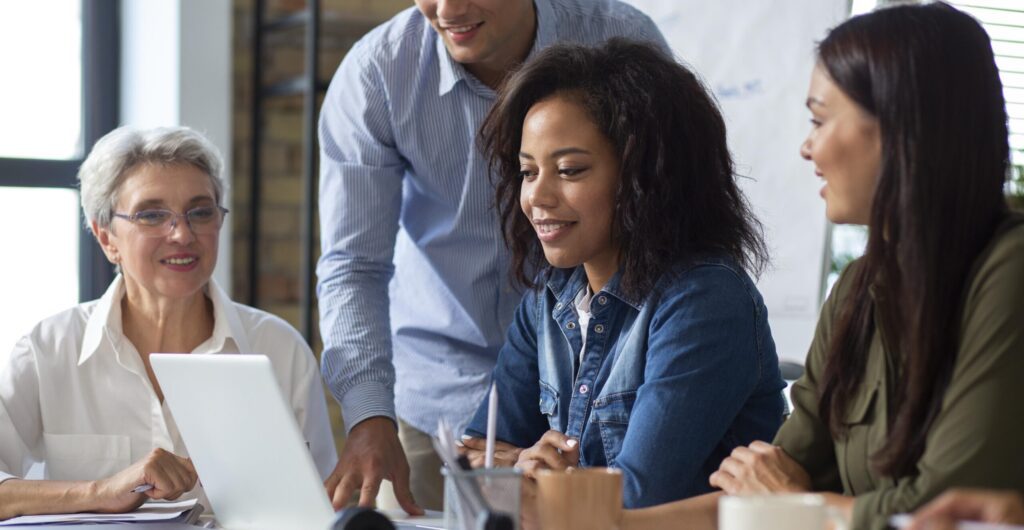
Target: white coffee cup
805, 511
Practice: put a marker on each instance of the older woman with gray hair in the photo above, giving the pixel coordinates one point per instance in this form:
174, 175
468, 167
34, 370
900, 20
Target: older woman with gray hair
78, 393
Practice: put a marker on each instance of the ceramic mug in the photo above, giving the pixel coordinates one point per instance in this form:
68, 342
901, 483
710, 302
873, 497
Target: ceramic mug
577, 498
805, 511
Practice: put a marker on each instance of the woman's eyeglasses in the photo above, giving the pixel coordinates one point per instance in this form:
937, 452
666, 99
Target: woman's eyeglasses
160, 222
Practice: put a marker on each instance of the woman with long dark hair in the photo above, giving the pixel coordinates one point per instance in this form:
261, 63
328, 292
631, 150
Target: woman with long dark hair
641, 342
913, 383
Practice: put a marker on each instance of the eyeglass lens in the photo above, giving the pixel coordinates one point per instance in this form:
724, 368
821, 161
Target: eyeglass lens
202, 220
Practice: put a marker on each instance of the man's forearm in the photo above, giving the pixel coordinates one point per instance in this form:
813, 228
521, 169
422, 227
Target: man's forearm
356, 362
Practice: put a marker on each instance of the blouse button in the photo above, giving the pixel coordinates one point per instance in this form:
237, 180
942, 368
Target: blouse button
599, 328
571, 325
584, 389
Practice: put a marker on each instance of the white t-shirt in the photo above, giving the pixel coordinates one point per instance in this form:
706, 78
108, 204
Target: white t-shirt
74, 393
582, 303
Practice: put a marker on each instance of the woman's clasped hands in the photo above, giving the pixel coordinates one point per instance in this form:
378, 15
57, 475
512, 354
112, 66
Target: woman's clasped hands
554, 451
760, 468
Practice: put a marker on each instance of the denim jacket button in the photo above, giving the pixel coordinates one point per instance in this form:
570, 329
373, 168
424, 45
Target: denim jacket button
602, 300
558, 305
571, 325
599, 328
584, 389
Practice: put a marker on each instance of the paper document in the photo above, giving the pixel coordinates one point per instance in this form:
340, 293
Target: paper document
148, 512
903, 521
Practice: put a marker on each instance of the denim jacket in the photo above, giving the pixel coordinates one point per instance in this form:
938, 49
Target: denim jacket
667, 386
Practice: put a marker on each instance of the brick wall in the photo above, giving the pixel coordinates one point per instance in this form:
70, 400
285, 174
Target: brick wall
344, 22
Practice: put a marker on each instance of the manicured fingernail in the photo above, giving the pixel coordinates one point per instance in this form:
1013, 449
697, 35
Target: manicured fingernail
459, 443
571, 443
466, 436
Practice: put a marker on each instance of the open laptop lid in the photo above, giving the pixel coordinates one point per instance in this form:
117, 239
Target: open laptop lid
242, 437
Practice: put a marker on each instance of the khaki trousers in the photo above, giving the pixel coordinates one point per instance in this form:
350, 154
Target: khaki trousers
425, 478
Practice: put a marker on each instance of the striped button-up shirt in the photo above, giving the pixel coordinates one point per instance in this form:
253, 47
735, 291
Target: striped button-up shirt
413, 285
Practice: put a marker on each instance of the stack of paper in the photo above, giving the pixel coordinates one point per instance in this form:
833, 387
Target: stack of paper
152, 511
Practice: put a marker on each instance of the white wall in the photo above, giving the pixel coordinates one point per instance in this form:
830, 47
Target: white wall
757, 57
176, 70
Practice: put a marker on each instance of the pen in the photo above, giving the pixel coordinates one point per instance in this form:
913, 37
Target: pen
142, 488
492, 420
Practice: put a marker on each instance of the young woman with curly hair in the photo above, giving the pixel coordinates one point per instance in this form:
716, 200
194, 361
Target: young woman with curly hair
642, 342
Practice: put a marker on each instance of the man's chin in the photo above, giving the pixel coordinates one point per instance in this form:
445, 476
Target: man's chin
462, 53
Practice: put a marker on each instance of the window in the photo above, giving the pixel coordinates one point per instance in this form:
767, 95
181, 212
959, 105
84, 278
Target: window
59, 95
42, 109
39, 275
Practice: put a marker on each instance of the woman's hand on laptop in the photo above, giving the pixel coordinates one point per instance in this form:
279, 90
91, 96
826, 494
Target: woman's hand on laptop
475, 449
169, 474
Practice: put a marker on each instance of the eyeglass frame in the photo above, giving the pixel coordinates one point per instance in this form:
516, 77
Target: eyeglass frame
134, 218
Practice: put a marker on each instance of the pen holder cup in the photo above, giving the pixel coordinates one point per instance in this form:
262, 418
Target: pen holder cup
500, 487
580, 498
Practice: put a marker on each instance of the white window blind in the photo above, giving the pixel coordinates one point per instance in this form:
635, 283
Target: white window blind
1004, 22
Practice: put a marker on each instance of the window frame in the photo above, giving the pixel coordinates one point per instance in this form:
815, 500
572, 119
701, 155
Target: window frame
100, 105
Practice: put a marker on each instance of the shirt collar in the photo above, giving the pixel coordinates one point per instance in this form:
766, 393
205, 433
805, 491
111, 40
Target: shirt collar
106, 314
451, 72
226, 323
105, 320
565, 284
582, 300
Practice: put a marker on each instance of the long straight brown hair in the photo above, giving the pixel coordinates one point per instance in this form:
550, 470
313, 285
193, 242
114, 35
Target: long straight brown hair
927, 73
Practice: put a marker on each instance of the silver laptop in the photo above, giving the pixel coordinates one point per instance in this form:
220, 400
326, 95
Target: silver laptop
242, 437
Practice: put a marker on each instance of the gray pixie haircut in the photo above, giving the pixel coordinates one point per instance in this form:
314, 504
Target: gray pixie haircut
126, 148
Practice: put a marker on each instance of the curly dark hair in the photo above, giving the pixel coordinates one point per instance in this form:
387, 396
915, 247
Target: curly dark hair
678, 195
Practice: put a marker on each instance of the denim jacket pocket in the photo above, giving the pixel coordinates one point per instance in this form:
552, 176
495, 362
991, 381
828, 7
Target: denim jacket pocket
549, 404
611, 414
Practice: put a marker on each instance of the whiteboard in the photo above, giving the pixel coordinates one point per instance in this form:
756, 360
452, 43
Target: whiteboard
757, 56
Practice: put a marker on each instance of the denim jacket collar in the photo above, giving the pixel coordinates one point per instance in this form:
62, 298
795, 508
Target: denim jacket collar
564, 284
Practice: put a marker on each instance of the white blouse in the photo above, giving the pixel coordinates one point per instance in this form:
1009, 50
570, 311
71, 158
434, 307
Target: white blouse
74, 393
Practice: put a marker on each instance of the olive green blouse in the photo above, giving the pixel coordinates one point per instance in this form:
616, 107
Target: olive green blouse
978, 438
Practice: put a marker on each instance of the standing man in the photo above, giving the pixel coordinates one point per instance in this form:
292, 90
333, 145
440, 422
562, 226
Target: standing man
413, 285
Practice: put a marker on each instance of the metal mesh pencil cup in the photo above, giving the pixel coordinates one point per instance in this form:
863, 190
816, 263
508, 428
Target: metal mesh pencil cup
500, 487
